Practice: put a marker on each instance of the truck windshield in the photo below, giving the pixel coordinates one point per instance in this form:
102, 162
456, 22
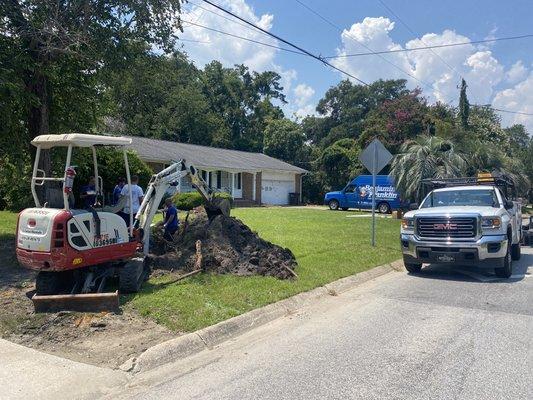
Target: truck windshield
480, 198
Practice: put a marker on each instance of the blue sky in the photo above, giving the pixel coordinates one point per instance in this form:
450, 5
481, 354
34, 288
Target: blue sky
498, 73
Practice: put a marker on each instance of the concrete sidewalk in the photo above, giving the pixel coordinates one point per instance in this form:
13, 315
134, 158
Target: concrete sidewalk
30, 374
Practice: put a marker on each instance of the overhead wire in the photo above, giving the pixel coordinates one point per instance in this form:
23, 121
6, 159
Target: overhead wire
243, 38
322, 59
391, 63
437, 46
319, 58
415, 35
337, 27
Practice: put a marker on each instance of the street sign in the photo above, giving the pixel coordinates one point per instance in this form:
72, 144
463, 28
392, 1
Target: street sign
375, 157
381, 154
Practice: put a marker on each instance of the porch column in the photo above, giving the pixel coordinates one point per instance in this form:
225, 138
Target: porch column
232, 184
253, 186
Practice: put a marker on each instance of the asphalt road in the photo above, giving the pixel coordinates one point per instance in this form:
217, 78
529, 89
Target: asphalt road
443, 334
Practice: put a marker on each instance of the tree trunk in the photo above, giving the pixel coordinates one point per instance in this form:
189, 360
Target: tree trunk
39, 116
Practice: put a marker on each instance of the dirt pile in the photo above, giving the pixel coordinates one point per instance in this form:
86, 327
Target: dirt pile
223, 245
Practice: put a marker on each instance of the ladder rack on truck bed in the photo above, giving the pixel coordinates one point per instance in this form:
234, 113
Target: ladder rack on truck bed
494, 179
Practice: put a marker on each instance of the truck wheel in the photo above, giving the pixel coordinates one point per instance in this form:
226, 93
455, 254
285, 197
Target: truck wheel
131, 276
48, 282
516, 252
384, 208
413, 268
507, 269
333, 205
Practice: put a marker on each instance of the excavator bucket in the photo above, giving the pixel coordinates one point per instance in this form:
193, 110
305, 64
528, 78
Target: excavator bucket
90, 302
217, 206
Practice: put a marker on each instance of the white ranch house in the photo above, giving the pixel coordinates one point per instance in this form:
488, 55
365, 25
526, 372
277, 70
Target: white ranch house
251, 178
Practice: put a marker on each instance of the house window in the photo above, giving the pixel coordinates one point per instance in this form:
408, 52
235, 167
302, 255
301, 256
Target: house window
239, 181
204, 175
219, 179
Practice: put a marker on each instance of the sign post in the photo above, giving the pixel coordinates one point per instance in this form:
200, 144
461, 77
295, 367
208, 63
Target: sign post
375, 157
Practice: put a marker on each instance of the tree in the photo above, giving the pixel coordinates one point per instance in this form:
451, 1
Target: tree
61, 45
338, 163
464, 105
396, 121
160, 96
243, 99
284, 139
425, 157
346, 106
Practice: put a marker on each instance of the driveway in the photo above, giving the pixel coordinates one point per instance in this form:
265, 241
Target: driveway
443, 334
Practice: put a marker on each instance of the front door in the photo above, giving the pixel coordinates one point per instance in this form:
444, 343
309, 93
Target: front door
237, 186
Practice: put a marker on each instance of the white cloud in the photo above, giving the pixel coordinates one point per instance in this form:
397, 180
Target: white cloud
303, 96
437, 72
517, 72
518, 98
226, 49
371, 33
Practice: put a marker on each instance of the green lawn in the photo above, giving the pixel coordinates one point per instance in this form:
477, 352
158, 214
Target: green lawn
327, 245
8, 225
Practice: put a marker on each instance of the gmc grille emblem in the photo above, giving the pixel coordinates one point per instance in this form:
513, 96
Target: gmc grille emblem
444, 227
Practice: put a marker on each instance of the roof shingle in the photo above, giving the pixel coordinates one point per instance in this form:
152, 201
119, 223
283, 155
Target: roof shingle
207, 157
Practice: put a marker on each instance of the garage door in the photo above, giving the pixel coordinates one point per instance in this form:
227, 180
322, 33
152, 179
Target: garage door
275, 191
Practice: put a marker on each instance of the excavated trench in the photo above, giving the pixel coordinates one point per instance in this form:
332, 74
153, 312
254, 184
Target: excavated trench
223, 245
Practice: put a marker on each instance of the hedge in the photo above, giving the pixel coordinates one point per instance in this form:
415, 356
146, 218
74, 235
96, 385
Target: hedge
190, 200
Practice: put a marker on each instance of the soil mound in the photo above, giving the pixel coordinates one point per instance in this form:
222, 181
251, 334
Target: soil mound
223, 245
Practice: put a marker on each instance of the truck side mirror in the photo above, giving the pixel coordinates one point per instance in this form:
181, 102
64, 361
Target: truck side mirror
413, 206
509, 205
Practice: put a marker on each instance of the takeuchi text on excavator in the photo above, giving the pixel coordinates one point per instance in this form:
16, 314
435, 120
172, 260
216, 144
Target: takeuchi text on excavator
76, 251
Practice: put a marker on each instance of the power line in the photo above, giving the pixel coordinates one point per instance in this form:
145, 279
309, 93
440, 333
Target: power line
362, 44
242, 38
508, 111
372, 52
220, 15
319, 58
437, 46
414, 34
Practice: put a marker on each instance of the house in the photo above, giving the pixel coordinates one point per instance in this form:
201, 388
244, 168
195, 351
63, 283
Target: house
251, 178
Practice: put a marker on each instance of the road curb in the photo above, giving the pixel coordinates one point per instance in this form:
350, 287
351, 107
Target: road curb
207, 338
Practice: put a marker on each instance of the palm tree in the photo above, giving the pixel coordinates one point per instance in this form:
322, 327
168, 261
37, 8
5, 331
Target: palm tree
422, 158
489, 157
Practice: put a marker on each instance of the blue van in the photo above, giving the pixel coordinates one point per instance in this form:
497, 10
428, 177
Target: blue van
358, 194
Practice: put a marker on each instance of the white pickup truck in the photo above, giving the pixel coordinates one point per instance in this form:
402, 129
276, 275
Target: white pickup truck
472, 225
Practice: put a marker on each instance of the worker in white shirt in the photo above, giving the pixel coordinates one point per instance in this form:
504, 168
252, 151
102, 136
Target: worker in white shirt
137, 195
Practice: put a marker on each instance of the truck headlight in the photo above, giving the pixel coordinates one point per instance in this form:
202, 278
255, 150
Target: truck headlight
491, 222
408, 224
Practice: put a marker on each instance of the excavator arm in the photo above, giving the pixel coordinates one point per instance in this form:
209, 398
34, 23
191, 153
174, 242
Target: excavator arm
158, 186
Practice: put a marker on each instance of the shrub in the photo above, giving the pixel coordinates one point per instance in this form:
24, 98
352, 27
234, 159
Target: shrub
190, 200
15, 178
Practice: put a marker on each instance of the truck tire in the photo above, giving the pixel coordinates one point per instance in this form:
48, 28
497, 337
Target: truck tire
333, 205
413, 268
131, 276
506, 270
516, 252
384, 208
48, 282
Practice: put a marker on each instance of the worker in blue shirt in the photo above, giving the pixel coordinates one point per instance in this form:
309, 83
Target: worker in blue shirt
118, 190
88, 193
171, 222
